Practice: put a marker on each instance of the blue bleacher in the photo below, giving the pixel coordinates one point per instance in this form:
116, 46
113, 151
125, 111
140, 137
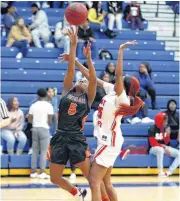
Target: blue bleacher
49, 75
22, 78
52, 64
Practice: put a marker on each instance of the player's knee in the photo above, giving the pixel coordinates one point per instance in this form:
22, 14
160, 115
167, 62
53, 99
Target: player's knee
108, 186
54, 180
94, 184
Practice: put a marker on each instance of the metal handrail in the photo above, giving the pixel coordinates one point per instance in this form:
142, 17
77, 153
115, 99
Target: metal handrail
157, 11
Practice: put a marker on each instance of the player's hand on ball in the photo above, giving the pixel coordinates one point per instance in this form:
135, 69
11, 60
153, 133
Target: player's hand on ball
63, 57
87, 51
134, 42
73, 35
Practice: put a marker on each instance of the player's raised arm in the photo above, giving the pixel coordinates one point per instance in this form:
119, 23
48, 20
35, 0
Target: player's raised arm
119, 68
68, 80
82, 69
92, 75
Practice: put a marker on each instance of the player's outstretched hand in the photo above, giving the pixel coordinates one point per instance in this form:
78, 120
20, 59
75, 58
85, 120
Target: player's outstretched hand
73, 35
124, 45
87, 51
63, 57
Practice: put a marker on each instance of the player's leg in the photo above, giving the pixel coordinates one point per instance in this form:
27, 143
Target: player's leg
97, 172
109, 187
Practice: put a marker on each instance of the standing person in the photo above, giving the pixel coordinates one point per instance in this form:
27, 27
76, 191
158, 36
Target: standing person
40, 115
132, 13
39, 27
173, 118
14, 131
113, 107
52, 98
159, 141
69, 142
19, 37
114, 14
4, 115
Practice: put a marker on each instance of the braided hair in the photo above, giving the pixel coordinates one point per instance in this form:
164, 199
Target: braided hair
132, 87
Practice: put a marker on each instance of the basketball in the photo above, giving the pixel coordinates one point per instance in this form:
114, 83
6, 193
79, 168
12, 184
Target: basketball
76, 14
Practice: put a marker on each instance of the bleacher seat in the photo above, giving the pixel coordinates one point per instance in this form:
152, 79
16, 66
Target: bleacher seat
49, 75
4, 161
52, 64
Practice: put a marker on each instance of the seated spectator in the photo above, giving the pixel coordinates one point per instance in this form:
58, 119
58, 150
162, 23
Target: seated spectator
96, 14
40, 115
39, 28
132, 13
100, 92
4, 115
52, 98
61, 37
110, 68
79, 74
159, 140
9, 19
85, 33
146, 84
173, 118
19, 37
14, 131
114, 13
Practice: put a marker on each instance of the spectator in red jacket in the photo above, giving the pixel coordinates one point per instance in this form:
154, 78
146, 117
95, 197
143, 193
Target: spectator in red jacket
159, 140
132, 13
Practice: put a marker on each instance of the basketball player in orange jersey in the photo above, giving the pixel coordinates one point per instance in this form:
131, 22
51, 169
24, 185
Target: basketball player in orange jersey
121, 100
69, 142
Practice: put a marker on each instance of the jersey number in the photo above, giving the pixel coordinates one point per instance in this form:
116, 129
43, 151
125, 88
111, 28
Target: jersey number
72, 109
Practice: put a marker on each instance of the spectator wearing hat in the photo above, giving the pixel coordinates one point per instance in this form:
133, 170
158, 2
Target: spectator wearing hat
159, 142
39, 27
19, 37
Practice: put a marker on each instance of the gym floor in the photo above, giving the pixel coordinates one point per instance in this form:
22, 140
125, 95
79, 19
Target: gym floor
137, 188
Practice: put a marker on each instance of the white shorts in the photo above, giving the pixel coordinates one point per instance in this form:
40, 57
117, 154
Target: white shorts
106, 155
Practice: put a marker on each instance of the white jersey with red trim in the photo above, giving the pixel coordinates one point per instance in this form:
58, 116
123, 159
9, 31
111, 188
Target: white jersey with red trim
107, 128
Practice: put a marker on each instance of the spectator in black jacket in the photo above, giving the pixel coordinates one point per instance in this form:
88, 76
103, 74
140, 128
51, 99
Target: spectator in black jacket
85, 33
132, 13
114, 13
110, 69
173, 118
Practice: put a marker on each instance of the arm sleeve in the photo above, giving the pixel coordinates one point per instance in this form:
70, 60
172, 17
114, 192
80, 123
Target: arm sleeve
21, 122
7, 21
92, 16
108, 87
31, 110
58, 32
27, 33
4, 110
152, 141
55, 105
50, 110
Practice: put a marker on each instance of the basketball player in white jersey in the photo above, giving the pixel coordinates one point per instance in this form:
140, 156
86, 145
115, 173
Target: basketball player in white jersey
121, 100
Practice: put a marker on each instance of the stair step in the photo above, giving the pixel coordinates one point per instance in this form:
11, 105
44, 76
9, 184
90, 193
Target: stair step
161, 19
168, 38
166, 33
172, 44
152, 2
153, 6
155, 10
172, 48
153, 27
161, 15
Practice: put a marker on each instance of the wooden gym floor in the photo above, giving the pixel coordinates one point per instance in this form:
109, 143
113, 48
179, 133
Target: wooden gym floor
138, 188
